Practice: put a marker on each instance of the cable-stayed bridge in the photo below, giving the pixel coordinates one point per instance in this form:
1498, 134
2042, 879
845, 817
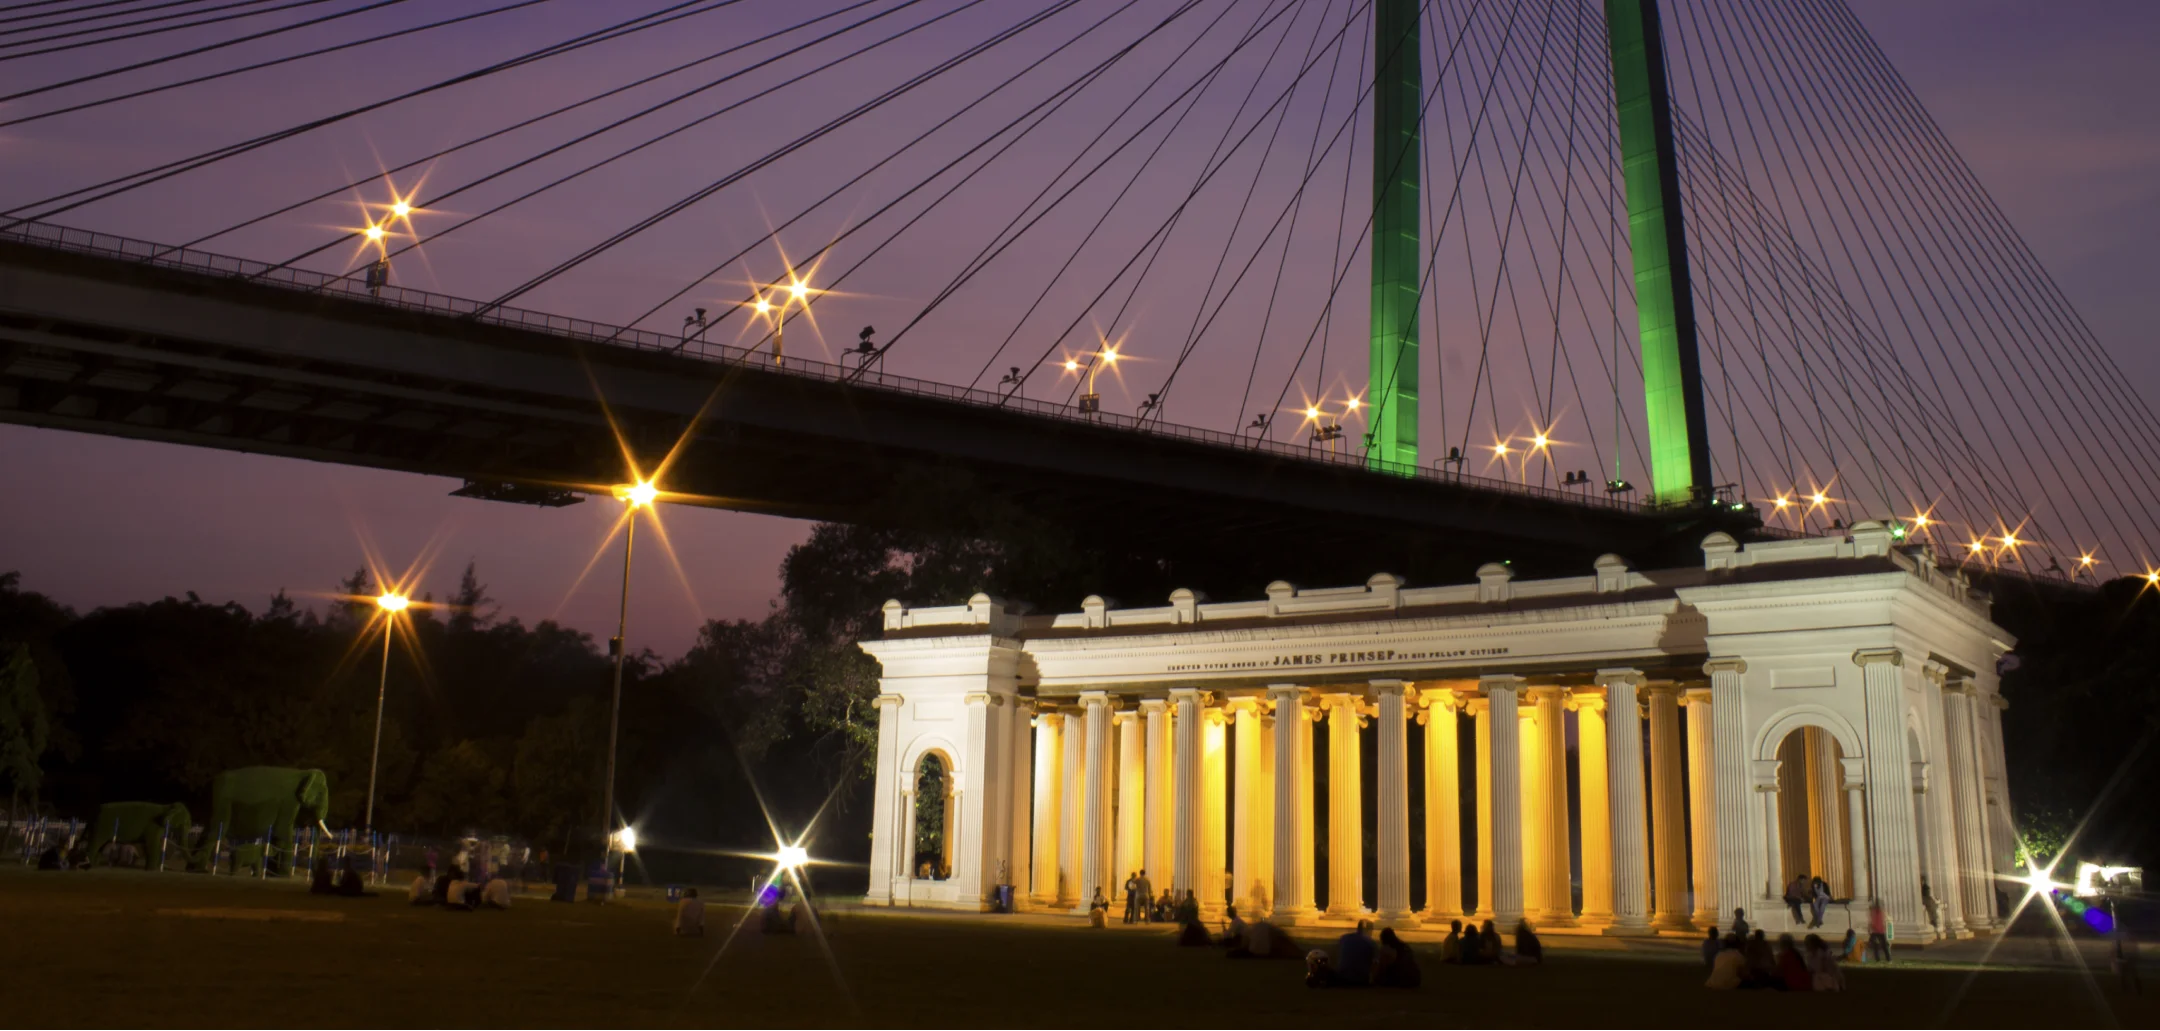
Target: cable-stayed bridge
1590, 276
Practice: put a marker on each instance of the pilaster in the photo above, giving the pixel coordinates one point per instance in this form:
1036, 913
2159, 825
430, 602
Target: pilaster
1894, 855
886, 834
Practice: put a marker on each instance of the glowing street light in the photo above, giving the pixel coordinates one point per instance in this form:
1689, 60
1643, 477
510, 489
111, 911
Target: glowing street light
641, 494
391, 603
795, 292
791, 857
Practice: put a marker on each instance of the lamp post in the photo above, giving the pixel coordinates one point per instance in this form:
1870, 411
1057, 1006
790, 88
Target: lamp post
793, 292
391, 603
1091, 402
637, 495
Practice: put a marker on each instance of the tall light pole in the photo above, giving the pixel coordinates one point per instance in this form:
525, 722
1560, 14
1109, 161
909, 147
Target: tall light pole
637, 495
391, 603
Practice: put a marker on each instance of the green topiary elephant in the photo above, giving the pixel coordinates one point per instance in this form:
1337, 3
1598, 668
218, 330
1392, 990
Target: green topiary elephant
147, 825
246, 802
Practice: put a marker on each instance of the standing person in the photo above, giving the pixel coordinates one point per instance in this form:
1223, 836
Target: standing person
1147, 895
1878, 933
1796, 894
1132, 898
1927, 902
1711, 946
1818, 901
690, 915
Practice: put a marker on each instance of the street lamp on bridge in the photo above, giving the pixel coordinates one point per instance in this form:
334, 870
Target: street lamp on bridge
796, 293
1090, 401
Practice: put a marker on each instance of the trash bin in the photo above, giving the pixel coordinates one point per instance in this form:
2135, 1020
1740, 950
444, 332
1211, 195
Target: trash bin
1004, 898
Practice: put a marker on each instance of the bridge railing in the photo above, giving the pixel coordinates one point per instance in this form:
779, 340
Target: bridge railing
85, 241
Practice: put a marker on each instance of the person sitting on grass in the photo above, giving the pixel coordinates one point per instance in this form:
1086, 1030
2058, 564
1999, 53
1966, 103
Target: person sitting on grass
1318, 972
1488, 951
422, 892
1762, 965
1792, 967
1354, 957
1264, 940
457, 894
1730, 968
1165, 908
1098, 910
1711, 946
1234, 934
1529, 951
1824, 974
496, 893
1396, 966
349, 883
319, 882
690, 915
1451, 947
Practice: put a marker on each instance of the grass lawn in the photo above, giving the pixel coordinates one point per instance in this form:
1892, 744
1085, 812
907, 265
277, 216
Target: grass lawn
125, 948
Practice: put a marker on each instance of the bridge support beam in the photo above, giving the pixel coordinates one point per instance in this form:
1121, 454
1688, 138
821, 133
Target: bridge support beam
1664, 301
1398, 101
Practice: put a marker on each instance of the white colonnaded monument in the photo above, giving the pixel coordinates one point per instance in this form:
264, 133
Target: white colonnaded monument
1842, 720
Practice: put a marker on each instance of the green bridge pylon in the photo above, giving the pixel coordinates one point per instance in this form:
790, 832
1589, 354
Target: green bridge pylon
1398, 101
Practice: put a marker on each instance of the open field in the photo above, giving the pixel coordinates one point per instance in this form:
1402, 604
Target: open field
124, 948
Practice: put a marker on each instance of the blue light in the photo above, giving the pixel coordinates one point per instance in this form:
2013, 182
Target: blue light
2099, 920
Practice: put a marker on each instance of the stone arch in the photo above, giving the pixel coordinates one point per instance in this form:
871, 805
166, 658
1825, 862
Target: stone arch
1809, 743
932, 778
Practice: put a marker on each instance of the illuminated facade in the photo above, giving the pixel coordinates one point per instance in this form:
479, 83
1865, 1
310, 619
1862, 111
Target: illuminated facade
1629, 751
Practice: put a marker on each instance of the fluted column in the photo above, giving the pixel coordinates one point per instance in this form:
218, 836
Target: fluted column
1736, 875
1558, 838
1766, 789
1155, 848
1185, 809
1624, 781
1702, 810
1443, 807
1073, 799
1095, 800
1670, 837
1507, 822
1827, 852
1131, 801
1307, 832
1856, 836
1393, 786
1590, 775
1214, 814
1481, 728
1049, 791
1346, 808
1894, 853
1293, 841
1253, 803
1536, 821
1941, 813
1966, 798
2001, 827
1020, 799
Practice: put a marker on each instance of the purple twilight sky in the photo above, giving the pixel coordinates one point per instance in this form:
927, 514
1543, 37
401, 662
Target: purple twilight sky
2052, 104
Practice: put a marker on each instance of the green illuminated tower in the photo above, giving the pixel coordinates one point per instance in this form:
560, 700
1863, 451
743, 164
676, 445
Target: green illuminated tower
1664, 302
1398, 98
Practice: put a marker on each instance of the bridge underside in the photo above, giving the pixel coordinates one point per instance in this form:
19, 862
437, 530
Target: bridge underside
116, 347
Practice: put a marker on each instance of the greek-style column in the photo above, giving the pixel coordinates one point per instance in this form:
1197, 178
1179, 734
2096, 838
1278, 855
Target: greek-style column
1702, 809
887, 836
1394, 810
1443, 807
1131, 801
1481, 731
1185, 819
1020, 800
1306, 830
980, 804
1536, 821
1095, 801
1074, 800
1558, 836
2000, 825
1214, 818
1507, 822
1156, 835
1667, 802
1346, 808
1249, 795
1591, 771
1894, 855
1828, 856
1049, 785
1856, 838
1766, 788
1728, 750
1624, 779
1293, 841
1940, 810
1967, 807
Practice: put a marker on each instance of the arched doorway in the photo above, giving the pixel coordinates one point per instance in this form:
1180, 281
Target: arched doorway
1814, 811
933, 818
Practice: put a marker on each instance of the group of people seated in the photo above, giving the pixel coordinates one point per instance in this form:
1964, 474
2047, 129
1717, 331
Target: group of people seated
782, 911
348, 881
1361, 963
450, 890
1747, 961
1481, 946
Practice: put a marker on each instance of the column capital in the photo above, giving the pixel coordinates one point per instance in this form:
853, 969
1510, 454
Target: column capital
1049, 718
1611, 677
1440, 698
1764, 773
1657, 687
1093, 698
884, 700
1477, 706
1935, 672
1586, 701
1501, 680
1246, 703
1725, 664
1338, 700
1854, 770
1123, 716
1150, 705
1214, 715
1999, 701
1695, 696
1180, 694
1275, 690
1961, 685
1386, 687
1872, 656
1545, 691
982, 698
